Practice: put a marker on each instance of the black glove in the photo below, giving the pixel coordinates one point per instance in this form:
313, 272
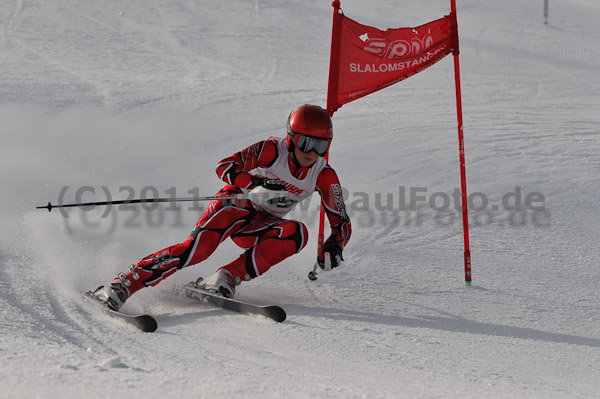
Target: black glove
269, 184
269, 192
329, 256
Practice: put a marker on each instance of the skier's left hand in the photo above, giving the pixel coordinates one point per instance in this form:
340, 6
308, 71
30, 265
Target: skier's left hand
329, 256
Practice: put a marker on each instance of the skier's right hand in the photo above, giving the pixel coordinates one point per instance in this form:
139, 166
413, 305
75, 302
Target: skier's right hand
268, 192
269, 184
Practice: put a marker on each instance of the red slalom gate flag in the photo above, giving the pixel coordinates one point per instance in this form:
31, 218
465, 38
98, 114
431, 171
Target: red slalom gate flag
365, 59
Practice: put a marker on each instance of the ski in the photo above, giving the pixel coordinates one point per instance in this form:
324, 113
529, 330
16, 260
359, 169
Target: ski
144, 322
276, 313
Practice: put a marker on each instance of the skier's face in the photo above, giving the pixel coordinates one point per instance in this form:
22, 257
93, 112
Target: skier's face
306, 159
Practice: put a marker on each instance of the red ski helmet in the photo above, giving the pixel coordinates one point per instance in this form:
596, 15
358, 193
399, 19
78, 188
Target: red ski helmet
309, 128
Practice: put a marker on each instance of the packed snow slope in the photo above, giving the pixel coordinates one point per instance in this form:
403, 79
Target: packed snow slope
143, 98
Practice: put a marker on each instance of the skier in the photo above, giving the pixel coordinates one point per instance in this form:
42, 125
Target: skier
289, 169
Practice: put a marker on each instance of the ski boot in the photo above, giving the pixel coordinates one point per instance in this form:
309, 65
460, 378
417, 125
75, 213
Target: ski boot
221, 282
114, 299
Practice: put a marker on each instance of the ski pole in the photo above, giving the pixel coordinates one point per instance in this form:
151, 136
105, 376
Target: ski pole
138, 201
255, 195
312, 275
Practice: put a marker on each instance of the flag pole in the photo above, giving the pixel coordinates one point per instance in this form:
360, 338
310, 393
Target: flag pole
332, 88
461, 147
334, 61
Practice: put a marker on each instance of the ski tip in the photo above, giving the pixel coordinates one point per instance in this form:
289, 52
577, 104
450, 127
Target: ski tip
277, 313
142, 322
281, 318
147, 323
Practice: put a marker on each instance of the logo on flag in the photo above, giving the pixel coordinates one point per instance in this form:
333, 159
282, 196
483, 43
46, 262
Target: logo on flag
398, 48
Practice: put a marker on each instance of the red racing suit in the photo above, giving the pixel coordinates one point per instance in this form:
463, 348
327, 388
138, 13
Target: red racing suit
267, 238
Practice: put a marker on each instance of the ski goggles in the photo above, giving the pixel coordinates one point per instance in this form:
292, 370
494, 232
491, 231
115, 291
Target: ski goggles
307, 144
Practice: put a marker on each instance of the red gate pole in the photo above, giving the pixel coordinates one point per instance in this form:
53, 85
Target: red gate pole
332, 89
461, 147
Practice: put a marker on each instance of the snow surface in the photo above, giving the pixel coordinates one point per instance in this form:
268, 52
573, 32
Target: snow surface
117, 96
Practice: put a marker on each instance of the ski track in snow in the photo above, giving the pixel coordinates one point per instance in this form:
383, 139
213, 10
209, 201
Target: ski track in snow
147, 93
